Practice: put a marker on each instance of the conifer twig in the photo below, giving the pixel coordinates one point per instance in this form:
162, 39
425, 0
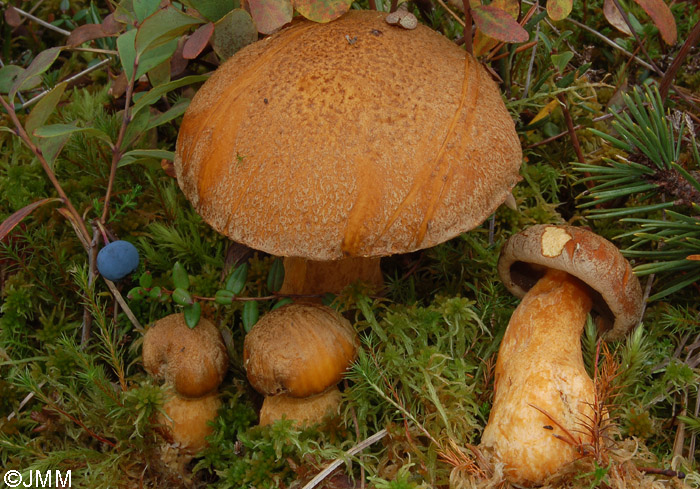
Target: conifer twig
338, 462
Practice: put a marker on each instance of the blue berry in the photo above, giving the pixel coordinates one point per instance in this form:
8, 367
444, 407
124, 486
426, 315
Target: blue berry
117, 260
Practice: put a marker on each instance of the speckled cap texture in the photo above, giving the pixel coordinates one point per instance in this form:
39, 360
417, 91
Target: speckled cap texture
617, 294
352, 138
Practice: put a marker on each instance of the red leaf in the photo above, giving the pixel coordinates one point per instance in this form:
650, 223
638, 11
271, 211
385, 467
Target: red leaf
88, 32
559, 9
270, 15
9, 224
197, 41
483, 43
662, 17
322, 10
12, 17
613, 15
498, 24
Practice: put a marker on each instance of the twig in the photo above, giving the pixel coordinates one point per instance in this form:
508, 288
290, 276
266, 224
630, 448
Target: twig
468, 27
26, 399
670, 74
571, 128
564, 133
338, 462
92, 258
41, 22
666, 472
451, 12
38, 97
127, 310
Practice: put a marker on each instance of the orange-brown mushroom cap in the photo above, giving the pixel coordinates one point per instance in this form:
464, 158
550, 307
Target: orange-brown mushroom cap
194, 360
299, 349
617, 296
352, 138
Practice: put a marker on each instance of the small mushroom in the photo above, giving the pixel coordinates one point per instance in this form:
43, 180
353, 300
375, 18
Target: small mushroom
299, 351
543, 395
187, 421
194, 360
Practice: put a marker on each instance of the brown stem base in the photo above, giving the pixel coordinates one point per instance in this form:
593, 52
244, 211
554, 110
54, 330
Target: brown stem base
320, 277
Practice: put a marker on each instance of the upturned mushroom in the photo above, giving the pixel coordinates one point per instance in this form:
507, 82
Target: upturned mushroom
543, 395
335, 144
193, 361
295, 356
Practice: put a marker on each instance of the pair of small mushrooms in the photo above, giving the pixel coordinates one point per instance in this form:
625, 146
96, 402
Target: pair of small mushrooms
193, 363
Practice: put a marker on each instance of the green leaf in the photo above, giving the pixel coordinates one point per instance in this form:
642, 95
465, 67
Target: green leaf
44, 108
172, 113
182, 297
41, 63
135, 129
135, 294
498, 24
561, 60
139, 155
224, 297
559, 9
233, 32
58, 130
156, 293
153, 57
146, 280
160, 75
9, 75
322, 10
250, 315
213, 10
275, 276
282, 303
270, 15
180, 278
163, 27
157, 92
237, 279
192, 314
144, 8
127, 52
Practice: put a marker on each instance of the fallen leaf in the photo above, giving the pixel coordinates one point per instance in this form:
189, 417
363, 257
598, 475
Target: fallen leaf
614, 17
662, 17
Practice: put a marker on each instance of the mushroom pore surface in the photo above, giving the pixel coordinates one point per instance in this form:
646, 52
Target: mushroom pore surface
193, 360
299, 349
285, 149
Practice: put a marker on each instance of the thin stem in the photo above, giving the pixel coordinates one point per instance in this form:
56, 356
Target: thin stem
42, 22
468, 27
571, 128
116, 150
692, 40
19, 130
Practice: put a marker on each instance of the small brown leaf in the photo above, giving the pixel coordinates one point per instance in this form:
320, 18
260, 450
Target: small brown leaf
12, 17
614, 17
168, 167
498, 24
559, 9
85, 33
662, 17
9, 224
197, 41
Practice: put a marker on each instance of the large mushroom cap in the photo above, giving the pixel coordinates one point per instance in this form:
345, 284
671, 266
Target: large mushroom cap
193, 360
300, 350
352, 138
617, 296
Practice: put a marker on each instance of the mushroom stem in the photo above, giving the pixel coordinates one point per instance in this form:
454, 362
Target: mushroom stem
303, 276
540, 370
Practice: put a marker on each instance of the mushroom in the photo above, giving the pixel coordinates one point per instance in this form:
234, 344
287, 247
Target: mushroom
344, 142
295, 356
542, 394
193, 361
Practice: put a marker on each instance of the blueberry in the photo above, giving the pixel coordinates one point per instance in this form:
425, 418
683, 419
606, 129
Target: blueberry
117, 260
